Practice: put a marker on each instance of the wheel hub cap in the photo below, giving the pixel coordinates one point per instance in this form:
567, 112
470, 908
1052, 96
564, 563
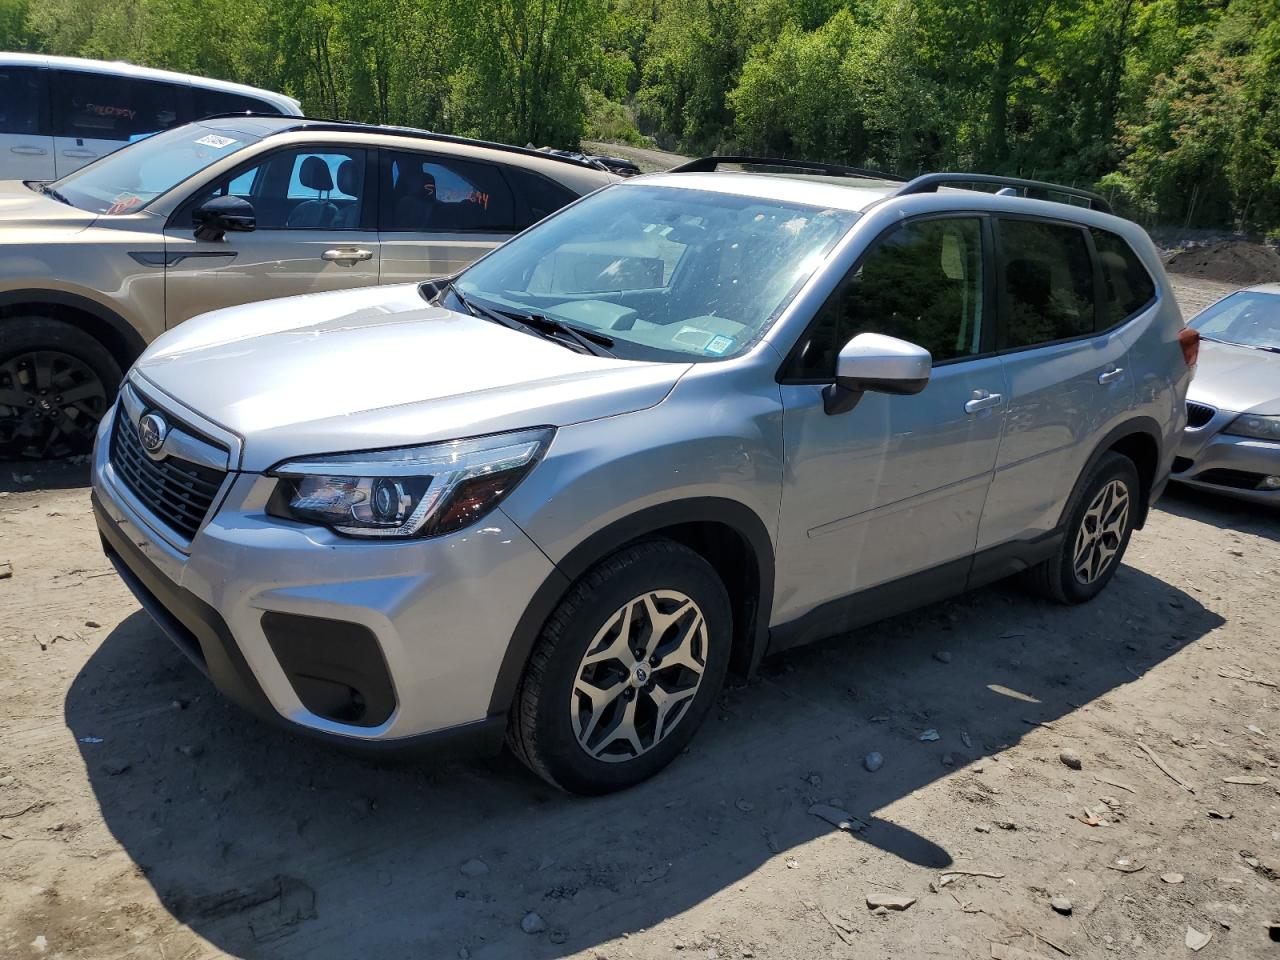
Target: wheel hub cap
50, 404
639, 675
1101, 532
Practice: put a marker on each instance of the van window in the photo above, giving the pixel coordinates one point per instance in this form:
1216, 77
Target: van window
210, 103
1047, 280
19, 100
438, 194
537, 196
1125, 281
921, 283
99, 106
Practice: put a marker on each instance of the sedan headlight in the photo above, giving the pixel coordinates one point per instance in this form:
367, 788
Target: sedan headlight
1256, 426
410, 492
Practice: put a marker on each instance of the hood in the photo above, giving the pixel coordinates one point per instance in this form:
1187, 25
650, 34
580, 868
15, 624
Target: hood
1237, 378
20, 206
378, 367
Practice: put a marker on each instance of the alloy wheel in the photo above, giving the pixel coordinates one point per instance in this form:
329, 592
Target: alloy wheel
1101, 532
639, 675
50, 404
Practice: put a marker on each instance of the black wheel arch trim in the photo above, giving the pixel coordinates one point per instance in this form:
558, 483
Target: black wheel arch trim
1144, 426
737, 516
131, 340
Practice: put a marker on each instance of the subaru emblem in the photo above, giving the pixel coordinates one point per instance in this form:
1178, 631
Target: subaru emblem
151, 432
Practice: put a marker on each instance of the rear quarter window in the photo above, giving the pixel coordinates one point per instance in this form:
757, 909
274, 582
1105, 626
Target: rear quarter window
1126, 284
211, 103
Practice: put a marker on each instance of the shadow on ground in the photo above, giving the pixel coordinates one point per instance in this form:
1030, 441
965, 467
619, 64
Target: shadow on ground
272, 848
1219, 511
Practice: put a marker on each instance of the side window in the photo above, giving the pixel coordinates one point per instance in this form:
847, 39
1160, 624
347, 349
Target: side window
20, 100
210, 103
299, 189
1047, 279
435, 194
1125, 281
922, 283
98, 106
537, 197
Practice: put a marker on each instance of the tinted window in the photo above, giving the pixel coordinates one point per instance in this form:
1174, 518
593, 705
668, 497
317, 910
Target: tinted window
444, 195
1125, 281
98, 106
1047, 278
19, 100
537, 197
300, 189
921, 283
209, 103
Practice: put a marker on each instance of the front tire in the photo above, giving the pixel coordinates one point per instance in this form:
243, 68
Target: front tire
1099, 524
625, 670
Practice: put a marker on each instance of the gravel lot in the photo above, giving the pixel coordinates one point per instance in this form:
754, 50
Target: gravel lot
142, 816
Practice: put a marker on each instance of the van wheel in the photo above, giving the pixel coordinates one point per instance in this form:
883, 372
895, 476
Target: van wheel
1098, 528
56, 382
625, 670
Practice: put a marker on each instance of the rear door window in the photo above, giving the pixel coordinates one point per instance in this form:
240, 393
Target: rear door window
1046, 280
1125, 282
20, 101
98, 106
426, 193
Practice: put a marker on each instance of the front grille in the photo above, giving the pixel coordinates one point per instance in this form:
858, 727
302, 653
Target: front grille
178, 492
1198, 414
1237, 479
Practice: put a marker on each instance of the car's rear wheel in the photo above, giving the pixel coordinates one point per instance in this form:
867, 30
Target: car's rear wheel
1099, 524
625, 670
56, 382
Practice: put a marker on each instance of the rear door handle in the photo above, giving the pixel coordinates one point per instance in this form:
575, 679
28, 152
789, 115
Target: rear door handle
347, 257
1111, 375
30, 151
983, 402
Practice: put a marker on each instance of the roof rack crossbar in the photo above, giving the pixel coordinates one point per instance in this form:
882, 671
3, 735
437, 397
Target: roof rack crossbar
327, 124
1035, 189
711, 164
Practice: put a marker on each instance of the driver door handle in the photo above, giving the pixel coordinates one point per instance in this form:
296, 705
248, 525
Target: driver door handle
983, 402
348, 256
1111, 375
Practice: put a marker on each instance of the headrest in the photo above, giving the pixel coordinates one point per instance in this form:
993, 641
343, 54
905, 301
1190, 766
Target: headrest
315, 175
348, 179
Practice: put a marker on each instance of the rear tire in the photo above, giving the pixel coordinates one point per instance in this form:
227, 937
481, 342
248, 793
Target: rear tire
591, 717
56, 382
1099, 524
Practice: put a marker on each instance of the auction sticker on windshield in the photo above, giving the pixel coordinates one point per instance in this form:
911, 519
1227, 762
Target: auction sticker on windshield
215, 141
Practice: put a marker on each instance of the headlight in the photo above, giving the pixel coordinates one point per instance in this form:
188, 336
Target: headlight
419, 491
1253, 425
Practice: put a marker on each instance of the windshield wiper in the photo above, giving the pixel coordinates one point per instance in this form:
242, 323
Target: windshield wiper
538, 324
1237, 343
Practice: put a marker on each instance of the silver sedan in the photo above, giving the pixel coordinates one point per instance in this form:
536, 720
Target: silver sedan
1232, 441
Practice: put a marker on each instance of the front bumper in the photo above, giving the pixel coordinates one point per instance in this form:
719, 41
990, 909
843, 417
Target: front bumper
1209, 459
440, 614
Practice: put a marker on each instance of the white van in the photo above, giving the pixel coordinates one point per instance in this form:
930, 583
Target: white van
59, 113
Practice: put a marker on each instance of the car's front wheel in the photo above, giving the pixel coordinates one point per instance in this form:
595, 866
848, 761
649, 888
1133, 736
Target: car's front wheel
625, 670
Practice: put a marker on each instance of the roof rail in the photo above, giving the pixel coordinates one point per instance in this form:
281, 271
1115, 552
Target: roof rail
337, 126
1035, 189
710, 164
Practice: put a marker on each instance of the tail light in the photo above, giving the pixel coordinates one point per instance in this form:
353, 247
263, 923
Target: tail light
1189, 341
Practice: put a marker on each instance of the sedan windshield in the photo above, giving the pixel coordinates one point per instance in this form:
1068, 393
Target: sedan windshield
663, 273
127, 180
1249, 318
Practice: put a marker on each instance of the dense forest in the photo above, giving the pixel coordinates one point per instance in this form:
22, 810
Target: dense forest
1172, 107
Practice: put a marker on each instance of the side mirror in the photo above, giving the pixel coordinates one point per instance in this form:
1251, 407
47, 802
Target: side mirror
872, 361
221, 215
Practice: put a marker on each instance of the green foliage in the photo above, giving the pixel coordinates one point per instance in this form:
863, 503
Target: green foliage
1173, 106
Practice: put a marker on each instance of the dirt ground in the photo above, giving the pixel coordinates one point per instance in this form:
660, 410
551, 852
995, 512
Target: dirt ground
142, 816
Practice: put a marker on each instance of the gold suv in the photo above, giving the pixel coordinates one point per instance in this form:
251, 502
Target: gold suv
217, 213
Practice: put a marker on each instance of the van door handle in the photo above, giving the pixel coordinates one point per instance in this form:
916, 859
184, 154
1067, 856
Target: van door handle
1111, 375
29, 151
78, 153
982, 401
347, 257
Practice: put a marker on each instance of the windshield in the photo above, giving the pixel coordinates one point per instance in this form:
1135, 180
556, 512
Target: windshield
665, 273
1249, 318
127, 180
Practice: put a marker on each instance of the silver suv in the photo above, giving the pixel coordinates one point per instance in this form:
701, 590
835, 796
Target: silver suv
689, 420
222, 212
